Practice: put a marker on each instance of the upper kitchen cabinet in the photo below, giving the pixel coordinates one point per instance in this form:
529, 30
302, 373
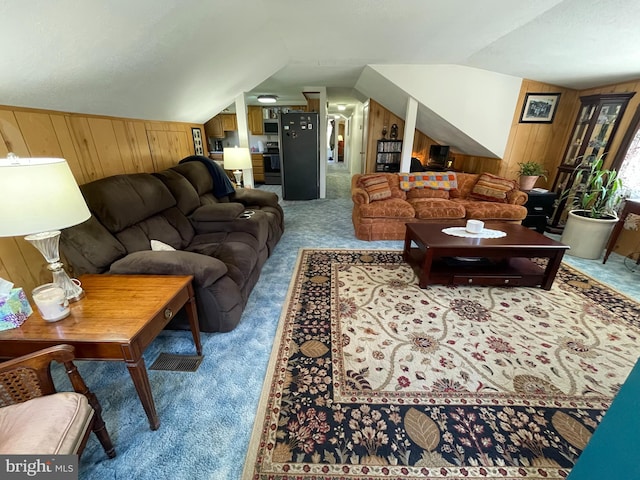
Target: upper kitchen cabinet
255, 120
213, 128
225, 122
229, 122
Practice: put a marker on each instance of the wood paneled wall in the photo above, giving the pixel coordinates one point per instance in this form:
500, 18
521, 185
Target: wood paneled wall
540, 142
95, 147
379, 117
466, 163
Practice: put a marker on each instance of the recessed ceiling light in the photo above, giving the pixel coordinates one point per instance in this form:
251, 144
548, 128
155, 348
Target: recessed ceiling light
342, 108
267, 98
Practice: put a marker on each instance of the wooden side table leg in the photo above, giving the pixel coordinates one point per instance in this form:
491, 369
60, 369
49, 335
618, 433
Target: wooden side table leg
138, 372
192, 314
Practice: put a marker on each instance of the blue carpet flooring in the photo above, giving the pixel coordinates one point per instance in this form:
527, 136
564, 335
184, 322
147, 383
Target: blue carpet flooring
207, 416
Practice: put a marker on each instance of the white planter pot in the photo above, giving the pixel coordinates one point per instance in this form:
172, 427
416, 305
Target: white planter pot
587, 237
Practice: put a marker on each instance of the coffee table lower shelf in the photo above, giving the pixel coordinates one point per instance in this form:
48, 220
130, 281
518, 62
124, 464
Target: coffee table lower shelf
515, 271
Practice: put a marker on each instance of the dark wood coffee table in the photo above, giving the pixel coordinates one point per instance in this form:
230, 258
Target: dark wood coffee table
116, 320
447, 259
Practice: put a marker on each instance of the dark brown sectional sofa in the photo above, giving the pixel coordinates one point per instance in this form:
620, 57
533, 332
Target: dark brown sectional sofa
222, 241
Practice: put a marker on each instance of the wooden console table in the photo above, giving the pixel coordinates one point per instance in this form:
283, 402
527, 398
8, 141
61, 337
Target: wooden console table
116, 320
630, 206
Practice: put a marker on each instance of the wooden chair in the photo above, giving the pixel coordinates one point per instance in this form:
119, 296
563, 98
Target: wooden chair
37, 419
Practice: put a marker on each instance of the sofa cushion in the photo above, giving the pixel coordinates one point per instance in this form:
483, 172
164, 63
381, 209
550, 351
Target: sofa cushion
434, 180
90, 247
217, 212
236, 250
466, 182
184, 192
437, 208
389, 208
48, 425
221, 184
377, 187
491, 188
492, 210
124, 200
170, 226
205, 270
417, 193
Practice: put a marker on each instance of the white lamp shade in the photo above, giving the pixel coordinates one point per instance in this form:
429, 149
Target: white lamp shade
237, 158
38, 195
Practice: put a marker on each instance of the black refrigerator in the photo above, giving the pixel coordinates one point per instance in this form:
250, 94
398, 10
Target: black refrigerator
300, 155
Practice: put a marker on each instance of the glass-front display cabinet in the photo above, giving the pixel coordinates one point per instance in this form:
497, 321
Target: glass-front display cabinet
593, 132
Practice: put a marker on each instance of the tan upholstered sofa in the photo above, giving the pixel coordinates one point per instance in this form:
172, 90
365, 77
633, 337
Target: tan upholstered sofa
384, 202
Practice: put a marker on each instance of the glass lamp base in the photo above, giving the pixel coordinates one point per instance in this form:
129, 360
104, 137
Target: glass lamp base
47, 244
238, 175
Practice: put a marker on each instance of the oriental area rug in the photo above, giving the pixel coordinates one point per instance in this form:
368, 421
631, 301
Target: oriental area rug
372, 377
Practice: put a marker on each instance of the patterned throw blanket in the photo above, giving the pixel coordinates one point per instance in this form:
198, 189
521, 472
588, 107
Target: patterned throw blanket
434, 180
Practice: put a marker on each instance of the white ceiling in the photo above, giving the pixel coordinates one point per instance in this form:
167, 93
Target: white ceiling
186, 60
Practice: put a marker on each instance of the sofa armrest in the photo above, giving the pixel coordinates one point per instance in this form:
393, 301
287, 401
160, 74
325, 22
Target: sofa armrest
517, 197
205, 270
253, 197
359, 196
217, 212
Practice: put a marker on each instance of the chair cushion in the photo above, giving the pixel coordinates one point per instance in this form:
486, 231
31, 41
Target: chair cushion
53, 424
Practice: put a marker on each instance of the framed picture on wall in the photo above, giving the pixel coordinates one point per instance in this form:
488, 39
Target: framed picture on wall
197, 141
539, 107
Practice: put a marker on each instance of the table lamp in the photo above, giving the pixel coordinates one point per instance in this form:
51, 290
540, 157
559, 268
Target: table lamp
39, 197
237, 159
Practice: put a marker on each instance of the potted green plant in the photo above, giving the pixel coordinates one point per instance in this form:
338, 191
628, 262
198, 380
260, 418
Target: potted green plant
593, 210
529, 172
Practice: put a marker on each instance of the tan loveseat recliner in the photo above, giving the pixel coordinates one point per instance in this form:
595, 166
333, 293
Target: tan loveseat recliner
35, 419
380, 215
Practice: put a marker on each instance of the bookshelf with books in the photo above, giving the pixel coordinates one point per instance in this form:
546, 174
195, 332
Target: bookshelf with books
388, 155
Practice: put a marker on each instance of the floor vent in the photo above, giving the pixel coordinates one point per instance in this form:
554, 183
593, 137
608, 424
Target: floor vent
177, 363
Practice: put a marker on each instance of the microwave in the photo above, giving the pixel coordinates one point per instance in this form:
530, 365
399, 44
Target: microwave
270, 128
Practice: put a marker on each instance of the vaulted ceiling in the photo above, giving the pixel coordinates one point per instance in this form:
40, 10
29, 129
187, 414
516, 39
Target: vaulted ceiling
186, 60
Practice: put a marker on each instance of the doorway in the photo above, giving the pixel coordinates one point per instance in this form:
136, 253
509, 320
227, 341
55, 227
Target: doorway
336, 139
